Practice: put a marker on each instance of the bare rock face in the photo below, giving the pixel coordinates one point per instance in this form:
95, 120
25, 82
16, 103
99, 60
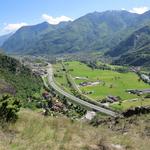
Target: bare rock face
90, 115
6, 88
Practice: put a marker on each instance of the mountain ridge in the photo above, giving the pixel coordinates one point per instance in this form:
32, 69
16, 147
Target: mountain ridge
98, 31
3, 38
25, 37
135, 50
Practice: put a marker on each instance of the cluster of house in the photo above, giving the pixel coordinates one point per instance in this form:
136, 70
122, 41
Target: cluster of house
135, 69
46, 95
139, 92
110, 99
145, 78
89, 83
55, 106
38, 68
39, 72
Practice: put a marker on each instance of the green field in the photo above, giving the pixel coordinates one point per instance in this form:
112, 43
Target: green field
115, 83
131, 104
61, 79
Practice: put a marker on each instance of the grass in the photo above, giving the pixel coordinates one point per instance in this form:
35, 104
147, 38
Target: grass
47, 133
34, 131
61, 79
119, 81
131, 104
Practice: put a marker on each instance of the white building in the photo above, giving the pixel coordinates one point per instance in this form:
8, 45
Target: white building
145, 78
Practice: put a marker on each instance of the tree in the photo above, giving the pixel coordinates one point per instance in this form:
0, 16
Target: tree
111, 86
9, 106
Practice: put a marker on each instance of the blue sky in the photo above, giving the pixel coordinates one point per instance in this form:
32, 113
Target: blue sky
16, 13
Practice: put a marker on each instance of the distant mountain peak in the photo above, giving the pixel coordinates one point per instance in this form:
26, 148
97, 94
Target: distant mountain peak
3, 38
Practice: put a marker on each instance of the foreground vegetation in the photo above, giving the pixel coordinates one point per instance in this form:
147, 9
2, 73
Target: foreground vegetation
34, 131
9, 106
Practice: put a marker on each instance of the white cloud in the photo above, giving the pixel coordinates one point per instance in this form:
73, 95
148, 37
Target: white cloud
123, 9
13, 27
139, 10
57, 20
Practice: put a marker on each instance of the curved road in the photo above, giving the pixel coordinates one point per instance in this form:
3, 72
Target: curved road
75, 99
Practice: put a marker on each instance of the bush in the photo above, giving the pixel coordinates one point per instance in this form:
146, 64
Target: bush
9, 106
147, 96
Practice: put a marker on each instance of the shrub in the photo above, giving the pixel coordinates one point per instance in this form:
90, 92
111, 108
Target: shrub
9, 106
147, 96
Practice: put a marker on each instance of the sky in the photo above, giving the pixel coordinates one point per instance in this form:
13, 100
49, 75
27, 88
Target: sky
17, 13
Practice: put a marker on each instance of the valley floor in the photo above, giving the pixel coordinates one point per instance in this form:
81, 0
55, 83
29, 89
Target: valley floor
99, 84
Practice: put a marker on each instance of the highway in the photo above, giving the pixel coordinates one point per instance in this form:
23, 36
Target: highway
75, 99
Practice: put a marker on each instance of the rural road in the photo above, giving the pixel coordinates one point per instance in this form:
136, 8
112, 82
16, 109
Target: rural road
75, 99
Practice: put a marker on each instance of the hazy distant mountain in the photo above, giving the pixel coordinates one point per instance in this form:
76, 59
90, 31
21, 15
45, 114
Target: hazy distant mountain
135, 50
25, 38
92, 32
95, 31
3, 38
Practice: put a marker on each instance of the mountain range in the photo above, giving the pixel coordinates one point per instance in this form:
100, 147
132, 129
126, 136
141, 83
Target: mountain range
118, 33
135, 50
4, 38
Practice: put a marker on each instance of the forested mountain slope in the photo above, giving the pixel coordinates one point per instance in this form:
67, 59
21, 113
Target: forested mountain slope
16, 79
135, 50
24, 40
92, 32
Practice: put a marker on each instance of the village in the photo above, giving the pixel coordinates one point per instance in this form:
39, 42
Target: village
39, 69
